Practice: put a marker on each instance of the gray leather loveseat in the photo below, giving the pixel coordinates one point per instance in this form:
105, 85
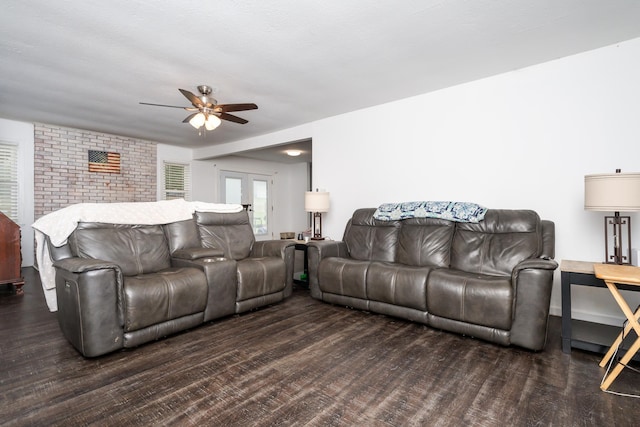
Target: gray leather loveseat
119, 286
491, 280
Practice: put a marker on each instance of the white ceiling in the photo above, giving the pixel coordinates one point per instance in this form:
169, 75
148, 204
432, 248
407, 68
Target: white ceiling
87, 64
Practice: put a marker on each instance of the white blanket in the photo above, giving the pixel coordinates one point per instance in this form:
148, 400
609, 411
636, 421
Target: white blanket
59, 225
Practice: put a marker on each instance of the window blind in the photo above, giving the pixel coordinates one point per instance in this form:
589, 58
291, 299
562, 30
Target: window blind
9, 180
177, 181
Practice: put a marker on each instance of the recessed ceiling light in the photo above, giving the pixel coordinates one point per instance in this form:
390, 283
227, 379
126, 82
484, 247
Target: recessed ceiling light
293, 153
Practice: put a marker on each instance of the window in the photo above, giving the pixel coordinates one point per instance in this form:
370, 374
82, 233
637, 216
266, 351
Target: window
177, 181
9, 180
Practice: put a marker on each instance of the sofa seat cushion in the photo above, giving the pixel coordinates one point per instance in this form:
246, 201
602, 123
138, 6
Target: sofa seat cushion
260, 276
154, 298
472, 298
398, 284
343, 276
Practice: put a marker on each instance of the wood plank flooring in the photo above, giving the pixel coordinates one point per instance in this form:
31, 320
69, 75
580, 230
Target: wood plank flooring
301, 362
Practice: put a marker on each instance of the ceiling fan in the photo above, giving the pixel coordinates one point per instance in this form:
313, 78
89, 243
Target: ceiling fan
206, 110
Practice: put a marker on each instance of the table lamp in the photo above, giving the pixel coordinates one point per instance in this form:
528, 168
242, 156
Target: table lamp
316, 202
614, 192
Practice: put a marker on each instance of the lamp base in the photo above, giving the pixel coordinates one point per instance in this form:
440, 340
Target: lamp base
317, 226
620, 233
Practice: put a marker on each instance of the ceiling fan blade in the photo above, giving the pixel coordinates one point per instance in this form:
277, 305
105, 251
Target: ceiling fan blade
192, 98
189, 117
232, 118
160, 105
235, 107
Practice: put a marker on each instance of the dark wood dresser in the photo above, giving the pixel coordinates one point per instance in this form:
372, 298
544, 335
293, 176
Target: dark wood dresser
10, 257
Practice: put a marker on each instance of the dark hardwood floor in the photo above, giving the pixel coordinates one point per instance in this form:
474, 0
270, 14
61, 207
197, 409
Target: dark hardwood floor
300, 362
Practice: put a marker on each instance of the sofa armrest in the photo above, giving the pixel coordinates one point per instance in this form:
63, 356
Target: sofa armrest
264, 248
532, 280
90, 314
284, 249
197, 253
537, 263
82, 265
318, 250
222, 282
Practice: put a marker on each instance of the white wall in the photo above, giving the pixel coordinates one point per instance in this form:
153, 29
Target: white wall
22, 134
523, 139
201, 172
297, 133
289, 183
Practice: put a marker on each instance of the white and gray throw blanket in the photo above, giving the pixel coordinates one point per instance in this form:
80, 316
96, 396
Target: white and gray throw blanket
452, 211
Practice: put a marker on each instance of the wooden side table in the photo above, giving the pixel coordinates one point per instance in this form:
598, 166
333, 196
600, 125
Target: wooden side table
613, 274
303, 279
582, 334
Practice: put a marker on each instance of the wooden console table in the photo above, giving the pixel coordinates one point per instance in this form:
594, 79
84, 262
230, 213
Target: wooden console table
580, 334
614, 276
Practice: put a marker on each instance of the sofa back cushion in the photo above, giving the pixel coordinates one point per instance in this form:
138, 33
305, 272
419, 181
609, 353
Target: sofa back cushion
230, 232
425, 242
497, 244
182, 235
368, 239
136, 249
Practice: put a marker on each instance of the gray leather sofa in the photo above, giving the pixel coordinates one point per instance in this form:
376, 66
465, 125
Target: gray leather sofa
119, 286
491, 280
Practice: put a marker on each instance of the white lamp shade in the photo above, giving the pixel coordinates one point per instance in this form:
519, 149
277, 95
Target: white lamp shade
316, 201
212, 122
197, 121
613, 192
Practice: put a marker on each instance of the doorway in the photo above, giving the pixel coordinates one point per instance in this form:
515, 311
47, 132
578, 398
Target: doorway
253, 191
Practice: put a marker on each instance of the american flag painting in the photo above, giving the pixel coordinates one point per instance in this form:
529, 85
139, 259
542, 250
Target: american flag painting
102, 161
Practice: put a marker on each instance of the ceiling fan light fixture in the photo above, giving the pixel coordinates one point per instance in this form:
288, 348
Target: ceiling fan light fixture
212, 122
206, 111
197, 121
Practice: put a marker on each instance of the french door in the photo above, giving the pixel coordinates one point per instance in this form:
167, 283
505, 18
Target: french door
253, 191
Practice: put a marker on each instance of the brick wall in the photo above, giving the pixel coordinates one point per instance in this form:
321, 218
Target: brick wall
62, 174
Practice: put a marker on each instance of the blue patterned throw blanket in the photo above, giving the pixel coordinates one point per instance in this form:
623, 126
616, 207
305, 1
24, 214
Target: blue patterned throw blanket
452, 211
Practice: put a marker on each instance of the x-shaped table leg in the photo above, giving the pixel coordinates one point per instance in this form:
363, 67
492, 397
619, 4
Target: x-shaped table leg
632, 324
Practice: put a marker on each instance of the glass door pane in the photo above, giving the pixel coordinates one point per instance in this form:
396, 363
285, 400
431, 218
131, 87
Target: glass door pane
233, 190
252, 190
260, 207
